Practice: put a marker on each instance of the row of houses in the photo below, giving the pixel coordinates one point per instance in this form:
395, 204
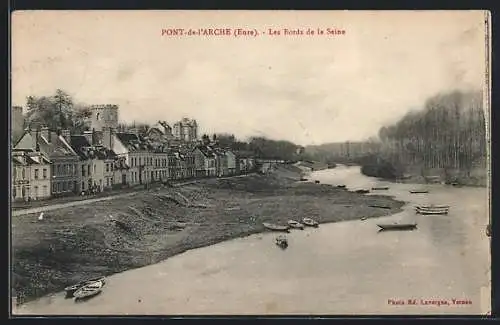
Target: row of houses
51, 164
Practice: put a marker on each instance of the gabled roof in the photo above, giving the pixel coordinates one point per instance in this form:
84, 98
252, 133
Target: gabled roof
86, 151
207, 151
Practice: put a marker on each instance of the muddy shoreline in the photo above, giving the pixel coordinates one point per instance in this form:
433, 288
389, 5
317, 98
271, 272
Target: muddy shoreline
113, 236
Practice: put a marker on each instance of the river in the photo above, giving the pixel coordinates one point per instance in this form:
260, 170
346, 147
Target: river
341, 268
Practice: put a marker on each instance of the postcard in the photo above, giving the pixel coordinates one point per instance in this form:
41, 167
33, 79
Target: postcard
250, 163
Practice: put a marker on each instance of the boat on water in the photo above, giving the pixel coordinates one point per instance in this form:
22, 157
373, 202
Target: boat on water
70, 290
310, 222
89, 290
379, 206
419, 191
427, 211
317, 182
281, 241
397, 226
433, 206
274, 227
295, 224
380, 188
341, 186
362, 191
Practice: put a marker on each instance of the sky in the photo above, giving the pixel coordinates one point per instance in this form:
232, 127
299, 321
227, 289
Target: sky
308, 89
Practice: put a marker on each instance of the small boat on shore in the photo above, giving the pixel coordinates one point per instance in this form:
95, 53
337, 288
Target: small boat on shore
341, 186
363, 218
274, 227
362, 191
70, 290
317, 182
310, 222
281, 241
419, 191
295, 224
89, 290
380, 188
398, 226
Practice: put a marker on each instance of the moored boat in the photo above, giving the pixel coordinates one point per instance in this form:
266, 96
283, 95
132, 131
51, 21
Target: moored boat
398, 226
380, 188
425, 211
295, 224
419, 191
281, 241
89, 290
341, 186
310, 222
274, 227
70, 290
379, 206
362, 191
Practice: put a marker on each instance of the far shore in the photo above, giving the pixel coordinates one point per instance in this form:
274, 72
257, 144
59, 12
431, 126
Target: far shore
107, 237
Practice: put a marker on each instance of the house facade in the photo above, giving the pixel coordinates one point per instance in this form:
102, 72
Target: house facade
205, 161
64, 160
30, 176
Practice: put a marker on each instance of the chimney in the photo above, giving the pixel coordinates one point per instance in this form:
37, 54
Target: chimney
44, 132
107, 138
66, 135
88, 136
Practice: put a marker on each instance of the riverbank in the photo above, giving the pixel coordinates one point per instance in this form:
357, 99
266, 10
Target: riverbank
476, 177
80, 242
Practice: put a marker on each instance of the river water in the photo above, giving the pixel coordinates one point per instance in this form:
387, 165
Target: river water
341, 268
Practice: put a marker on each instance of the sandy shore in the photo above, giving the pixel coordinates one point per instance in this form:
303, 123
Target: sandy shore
75, 243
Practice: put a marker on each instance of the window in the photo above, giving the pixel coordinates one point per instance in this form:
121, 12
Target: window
64, 186
45, 193
140, 160
89, 170
95, 168
36, 191
83, 170
14, 192
107, 168
44, 173
107, 181
111, 166
24, 173
83, 186
36, 173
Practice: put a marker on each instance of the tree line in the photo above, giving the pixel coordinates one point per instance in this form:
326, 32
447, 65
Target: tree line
60, 111
449, 132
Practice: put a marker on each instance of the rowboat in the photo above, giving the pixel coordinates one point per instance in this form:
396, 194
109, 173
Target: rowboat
398, 226
89, 290
70, 290
427, 211
340, 186
433, 206
419, 191
382, 188
295, 224
274, 227
362, 191
281, 241
380, 206
310, 222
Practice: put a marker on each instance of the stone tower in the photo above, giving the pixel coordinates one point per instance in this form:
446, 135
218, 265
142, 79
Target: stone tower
104, 116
